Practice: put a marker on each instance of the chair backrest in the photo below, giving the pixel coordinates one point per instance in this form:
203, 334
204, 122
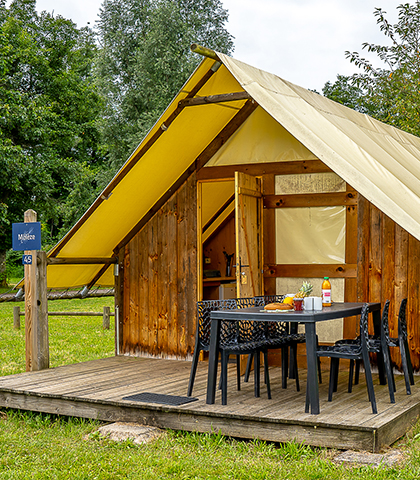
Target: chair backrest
273, 329
402, 320
364, 330
385, 321
233, 331
204, 308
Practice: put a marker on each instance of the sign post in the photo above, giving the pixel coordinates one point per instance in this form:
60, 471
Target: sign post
27, 237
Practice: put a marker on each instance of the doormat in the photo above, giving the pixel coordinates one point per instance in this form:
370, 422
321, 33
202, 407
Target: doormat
147, 397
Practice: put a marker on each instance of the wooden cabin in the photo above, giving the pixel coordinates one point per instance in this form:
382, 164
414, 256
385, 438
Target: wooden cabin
291, 184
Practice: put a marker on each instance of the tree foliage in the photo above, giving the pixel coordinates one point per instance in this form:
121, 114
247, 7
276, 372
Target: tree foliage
48, 109
391, 91
145, 59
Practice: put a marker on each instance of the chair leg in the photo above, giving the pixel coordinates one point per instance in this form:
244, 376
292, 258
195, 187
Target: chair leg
334, 363
223, 377
357, 373
292, 358
351, 370
248, 368
257, 374
266, 374
335, 386
295, 365
284, 366
238, 372
193, 371
388, 370
392, 370
307, 400
409, 365
319, 371
319, 363
404, 363
369, 380
221, 371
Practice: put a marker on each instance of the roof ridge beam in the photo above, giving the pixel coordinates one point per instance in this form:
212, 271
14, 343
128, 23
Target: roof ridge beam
222, 98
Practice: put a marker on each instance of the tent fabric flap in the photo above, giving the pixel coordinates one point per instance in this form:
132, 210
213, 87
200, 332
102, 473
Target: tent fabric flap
379, 161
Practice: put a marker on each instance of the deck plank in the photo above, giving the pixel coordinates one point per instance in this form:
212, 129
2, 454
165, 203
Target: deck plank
96, 389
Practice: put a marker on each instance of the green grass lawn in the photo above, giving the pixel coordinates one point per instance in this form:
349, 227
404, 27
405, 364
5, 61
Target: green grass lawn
72, 339
39, 446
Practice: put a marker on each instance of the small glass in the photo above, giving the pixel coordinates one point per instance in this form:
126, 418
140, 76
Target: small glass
298, 304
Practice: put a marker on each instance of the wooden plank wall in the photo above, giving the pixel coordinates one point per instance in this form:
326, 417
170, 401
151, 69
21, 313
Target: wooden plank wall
389, 269
160, 280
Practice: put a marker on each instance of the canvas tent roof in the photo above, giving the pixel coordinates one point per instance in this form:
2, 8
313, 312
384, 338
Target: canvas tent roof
379, 161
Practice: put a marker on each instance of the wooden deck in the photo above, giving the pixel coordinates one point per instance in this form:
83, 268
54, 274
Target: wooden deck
95, 390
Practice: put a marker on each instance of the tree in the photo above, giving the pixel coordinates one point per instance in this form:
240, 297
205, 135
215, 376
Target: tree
48, 108
391, 91
145, 59
346, 92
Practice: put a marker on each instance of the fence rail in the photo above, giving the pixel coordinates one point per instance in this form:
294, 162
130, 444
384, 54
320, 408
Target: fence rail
106, 314
18, 296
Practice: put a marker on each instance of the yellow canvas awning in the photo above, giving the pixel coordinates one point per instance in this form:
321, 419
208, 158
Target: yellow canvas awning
379, 161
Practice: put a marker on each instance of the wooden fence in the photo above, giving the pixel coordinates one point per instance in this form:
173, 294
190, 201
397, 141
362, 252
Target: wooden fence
106, 314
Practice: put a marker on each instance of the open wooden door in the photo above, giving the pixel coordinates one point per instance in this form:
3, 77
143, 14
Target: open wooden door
249, 242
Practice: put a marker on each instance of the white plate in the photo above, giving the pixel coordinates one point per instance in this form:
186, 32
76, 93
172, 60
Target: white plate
277, 311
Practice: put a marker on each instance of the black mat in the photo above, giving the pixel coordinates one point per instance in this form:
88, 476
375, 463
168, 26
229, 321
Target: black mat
147, 397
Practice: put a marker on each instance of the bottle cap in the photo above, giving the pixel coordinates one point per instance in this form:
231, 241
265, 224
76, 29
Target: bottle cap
326, 278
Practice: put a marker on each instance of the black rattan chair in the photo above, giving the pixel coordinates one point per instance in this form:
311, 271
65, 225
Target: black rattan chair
400, 342
280, 335
238, 338
355, 350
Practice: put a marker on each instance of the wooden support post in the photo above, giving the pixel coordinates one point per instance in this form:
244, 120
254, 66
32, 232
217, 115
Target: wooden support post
16, 317
36, 307
106, 316
119, 300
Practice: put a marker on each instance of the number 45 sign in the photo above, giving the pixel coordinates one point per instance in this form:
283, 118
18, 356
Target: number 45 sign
27, 259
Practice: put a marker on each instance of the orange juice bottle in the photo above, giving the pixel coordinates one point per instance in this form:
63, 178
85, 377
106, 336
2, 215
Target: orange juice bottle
326, 292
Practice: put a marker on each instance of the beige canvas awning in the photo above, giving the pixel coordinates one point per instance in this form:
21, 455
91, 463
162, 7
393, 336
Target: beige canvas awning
291, 123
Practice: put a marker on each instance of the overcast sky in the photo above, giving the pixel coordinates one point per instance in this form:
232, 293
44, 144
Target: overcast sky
302, 41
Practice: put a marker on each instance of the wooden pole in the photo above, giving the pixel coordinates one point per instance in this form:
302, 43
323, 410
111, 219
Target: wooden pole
42, 341
16, 317
36, 308
106, 316
206, 52
119, 301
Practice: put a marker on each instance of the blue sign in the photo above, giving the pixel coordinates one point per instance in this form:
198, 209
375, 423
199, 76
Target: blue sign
26, 236
27, 259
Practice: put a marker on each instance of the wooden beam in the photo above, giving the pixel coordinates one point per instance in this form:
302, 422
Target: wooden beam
226, 97
81, 261
311, 270
363, 241
258, 169
119, 302
206, 52
219, 212
226, 133
311, 200
128, 166
97, 276
36, 306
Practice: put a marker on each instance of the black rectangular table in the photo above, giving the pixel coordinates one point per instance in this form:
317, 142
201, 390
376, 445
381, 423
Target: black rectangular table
307, 317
